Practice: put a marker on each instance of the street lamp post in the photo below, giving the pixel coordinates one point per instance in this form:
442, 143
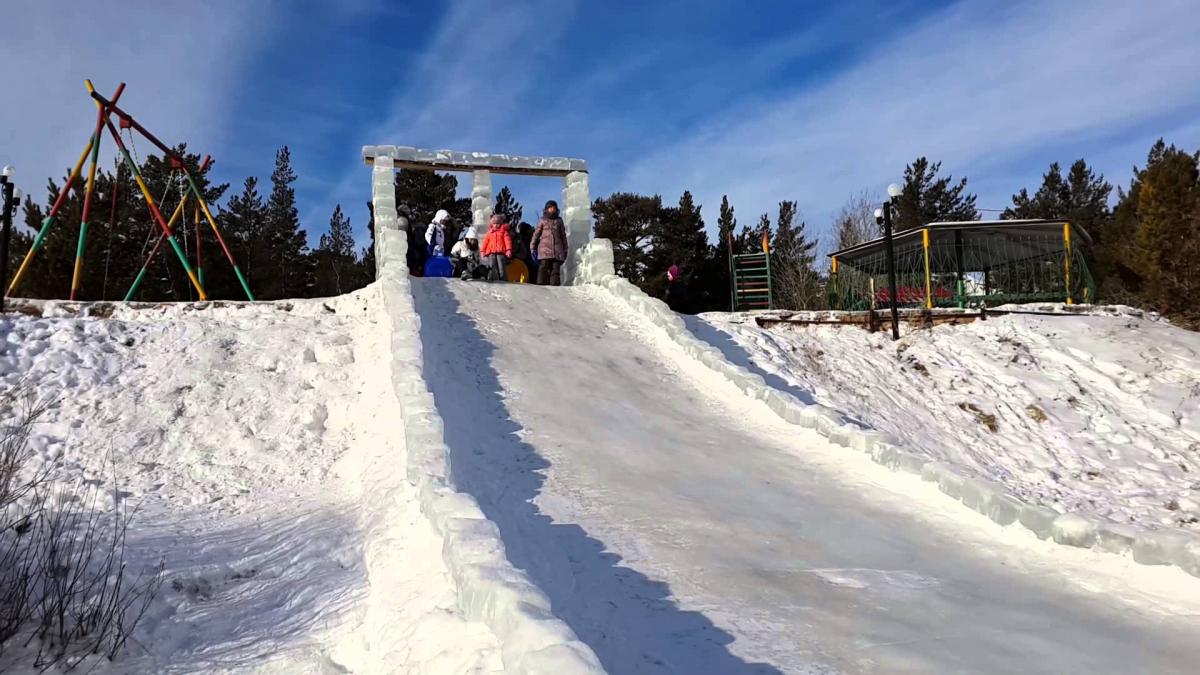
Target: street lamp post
884, 216
8, 199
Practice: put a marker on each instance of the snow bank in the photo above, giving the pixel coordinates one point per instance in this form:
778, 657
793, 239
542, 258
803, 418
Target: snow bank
595, 265
490, 589
223, 430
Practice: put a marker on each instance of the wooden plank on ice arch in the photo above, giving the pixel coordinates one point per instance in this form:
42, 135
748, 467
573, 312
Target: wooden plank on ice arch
404, 157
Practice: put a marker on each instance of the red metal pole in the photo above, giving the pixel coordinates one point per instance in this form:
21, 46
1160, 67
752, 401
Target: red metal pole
237, 271
158, 216
62, 195
140, 129
167, 151
162, 236
77, 273
48, 221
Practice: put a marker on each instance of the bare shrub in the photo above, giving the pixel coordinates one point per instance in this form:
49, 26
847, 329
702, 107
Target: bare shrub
65, 588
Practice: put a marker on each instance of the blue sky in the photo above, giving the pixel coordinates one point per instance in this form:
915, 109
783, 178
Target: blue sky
761, 100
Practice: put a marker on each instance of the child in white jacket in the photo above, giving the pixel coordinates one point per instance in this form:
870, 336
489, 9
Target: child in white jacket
435, 234
465, 254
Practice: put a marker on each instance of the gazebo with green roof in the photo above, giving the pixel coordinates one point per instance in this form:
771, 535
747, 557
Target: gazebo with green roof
967, 264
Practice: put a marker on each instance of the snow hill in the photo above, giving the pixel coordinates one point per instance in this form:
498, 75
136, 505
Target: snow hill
240, 434
434, 476
678, 526
1095, 413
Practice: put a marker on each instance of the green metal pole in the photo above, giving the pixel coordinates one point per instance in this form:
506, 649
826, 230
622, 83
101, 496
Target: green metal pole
154, 212
221, 240
136, 282
770, 288
48, 221
959, 269
199, 257
732, 276
154, 251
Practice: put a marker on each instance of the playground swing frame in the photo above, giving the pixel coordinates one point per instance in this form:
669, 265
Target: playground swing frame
105, 109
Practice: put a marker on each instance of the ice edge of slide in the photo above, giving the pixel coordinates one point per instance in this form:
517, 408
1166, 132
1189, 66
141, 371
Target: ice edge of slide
489, 588
1148, 547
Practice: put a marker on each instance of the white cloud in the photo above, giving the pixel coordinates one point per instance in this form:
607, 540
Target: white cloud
175, 57
978, 85
468, 85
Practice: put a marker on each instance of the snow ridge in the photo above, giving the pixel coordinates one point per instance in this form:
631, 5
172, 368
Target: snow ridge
1150, 547
490, 589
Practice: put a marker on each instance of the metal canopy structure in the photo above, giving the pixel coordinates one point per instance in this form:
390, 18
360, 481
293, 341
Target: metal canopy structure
967, 263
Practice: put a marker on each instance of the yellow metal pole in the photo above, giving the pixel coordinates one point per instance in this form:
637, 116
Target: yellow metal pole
175, 215
41, 235
154, 211
833, 279
1067, 260
237, 271
928, 277
40, 239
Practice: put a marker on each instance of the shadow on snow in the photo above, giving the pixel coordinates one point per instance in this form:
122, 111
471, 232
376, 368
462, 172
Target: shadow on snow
629, 620
735, 354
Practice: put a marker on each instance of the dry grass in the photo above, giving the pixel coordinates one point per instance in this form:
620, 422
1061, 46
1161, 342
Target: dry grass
986, 419
65, 588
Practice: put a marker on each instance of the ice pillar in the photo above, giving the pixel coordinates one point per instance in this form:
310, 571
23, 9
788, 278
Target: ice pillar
577, 215
383, 204
481, 200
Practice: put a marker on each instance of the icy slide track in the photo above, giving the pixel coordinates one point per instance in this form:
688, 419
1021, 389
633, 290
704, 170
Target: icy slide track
678, 526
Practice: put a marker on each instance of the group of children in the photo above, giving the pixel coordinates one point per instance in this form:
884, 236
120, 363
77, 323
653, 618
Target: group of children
542, 251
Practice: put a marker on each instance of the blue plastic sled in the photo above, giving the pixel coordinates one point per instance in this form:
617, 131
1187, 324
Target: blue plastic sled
439, 266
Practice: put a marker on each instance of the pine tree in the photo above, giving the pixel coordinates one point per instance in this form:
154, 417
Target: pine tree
419, 194
47, 275
716, 282
629, 221
680, 238
750, 239
336, 263
726, 223
1154, 236
926, 198
244, 222
792, 259
1087, 201
367, 258
1048, 202
1081, 198
20, 239
677, 238
289, 274
505, 204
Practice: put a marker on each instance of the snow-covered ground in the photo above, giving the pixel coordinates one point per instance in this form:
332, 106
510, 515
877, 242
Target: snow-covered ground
680, 527
1093, 413
675, 524
240, 434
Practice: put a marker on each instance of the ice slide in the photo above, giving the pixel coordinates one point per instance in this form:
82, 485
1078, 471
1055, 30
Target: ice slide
677, 526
